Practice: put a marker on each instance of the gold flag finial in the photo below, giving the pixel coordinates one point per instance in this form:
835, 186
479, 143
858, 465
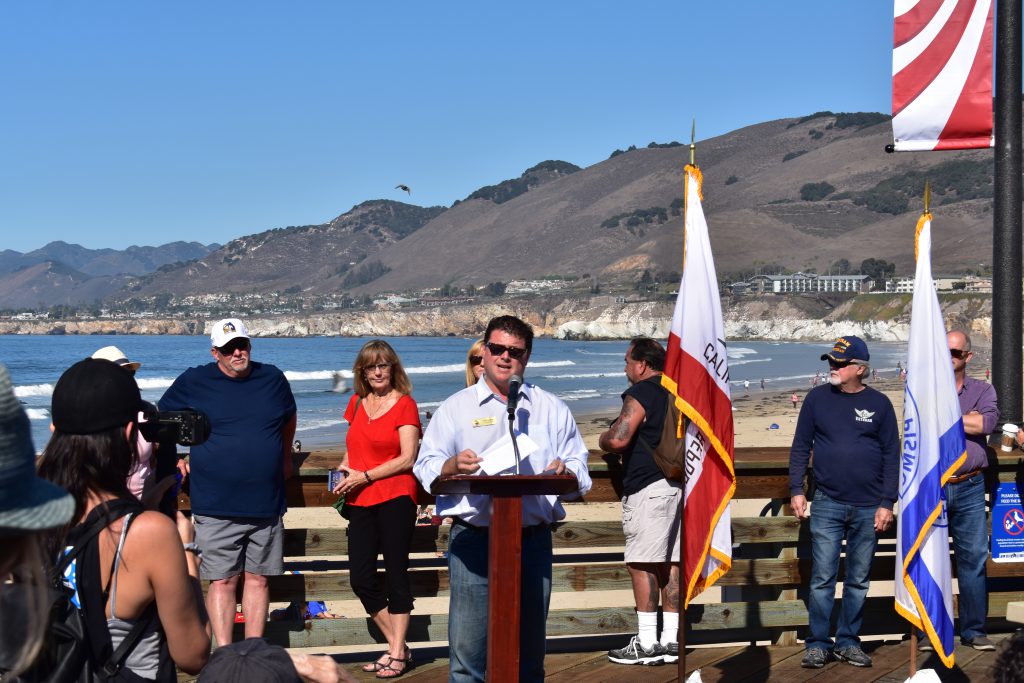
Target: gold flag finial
693, 135
927, 196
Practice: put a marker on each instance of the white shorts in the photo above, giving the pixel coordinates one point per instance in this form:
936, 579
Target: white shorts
650, 522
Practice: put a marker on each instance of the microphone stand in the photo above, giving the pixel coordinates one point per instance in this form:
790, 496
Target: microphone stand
512, 433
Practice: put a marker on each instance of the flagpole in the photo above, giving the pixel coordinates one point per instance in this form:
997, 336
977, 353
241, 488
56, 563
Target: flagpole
683, 579
913, 651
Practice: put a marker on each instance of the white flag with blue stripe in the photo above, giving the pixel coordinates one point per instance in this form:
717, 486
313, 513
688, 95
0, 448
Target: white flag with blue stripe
934, 446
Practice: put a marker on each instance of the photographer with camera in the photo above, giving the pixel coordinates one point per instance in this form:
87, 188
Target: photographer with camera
236, 476
134, 572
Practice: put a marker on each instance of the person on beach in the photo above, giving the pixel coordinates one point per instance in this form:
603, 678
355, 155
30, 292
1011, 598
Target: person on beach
650, 508
466, 425
854, 434
237, 476
965, 497
795, 399
474, 362
129, 566
29, 507
380, 494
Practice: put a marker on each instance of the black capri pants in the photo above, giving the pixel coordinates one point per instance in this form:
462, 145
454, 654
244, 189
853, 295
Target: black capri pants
385, 528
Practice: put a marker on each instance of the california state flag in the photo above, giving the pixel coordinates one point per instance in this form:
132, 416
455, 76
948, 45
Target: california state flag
697, 373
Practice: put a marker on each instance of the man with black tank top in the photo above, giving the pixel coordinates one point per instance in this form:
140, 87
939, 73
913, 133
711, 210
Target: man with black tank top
650, 508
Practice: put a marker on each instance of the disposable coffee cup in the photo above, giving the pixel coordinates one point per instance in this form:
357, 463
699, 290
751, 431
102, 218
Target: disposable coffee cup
1009, 437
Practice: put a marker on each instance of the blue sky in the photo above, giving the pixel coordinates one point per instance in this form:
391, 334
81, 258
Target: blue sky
143, 122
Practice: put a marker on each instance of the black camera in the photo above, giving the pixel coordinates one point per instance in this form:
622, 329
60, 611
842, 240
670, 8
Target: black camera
186, 427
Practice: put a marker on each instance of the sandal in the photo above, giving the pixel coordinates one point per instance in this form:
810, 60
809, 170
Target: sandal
374, 667
388, 671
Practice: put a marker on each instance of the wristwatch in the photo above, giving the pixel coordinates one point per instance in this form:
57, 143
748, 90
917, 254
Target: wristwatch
194, 549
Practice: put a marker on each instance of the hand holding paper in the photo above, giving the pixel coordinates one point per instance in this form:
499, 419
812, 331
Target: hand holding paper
501, 456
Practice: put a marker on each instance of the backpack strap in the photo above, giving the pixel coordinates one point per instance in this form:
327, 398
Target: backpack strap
113, 665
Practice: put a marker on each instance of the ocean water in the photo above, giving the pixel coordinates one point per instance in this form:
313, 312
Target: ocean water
587, 375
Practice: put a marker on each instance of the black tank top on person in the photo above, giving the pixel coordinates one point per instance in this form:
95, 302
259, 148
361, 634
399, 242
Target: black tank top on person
639, 468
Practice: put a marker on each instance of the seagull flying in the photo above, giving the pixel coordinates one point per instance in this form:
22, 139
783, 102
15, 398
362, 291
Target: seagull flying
403, 187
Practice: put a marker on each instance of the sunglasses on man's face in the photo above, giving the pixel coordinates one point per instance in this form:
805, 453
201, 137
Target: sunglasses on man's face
514, 352
959, 354
232, 346
838, 364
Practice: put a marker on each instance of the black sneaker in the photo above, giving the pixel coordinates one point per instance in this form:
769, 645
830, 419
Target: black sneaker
853, 655
634, 653
979, 643
815, 658
671, 653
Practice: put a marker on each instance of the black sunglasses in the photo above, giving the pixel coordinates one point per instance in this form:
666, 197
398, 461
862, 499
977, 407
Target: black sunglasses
514, 352
232, 346
476, 360
959, 354
838, 364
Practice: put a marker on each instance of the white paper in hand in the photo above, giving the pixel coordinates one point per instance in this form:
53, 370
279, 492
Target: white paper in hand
501, 456
694, 677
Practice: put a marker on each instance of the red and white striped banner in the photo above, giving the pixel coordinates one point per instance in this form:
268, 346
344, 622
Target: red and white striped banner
942, 75
697, 373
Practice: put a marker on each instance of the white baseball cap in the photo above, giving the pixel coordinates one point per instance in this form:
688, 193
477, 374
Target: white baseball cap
116, 355
226, 330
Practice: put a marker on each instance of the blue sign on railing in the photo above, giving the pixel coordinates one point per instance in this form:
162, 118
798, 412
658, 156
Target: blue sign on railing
1007, 524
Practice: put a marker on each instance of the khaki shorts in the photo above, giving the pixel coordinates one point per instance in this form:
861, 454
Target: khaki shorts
231, 545
650, 522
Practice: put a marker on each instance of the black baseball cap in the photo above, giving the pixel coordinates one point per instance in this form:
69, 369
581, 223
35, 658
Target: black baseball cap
252, 660
94, 395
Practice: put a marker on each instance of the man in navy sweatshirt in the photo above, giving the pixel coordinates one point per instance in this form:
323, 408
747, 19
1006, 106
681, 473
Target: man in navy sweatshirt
853, 432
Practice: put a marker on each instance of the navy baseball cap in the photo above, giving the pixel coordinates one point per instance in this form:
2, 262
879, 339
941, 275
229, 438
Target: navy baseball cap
847, 349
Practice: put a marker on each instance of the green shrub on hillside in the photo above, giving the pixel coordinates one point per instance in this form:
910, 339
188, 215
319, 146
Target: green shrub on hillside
367, 272
793, 155
731, 179
813, 192
532, 177
951, 181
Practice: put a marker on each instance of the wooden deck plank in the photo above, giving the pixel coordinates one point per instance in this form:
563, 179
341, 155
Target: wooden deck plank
750, 663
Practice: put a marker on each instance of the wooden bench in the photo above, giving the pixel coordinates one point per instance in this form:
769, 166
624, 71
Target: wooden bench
763, 596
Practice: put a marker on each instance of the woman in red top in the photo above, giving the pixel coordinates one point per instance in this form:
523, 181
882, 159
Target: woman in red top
380, 491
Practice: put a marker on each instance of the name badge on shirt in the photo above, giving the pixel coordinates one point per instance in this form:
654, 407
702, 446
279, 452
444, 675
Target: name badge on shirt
485, 421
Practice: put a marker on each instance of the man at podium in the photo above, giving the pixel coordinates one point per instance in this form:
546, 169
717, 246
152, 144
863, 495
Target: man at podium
465, 435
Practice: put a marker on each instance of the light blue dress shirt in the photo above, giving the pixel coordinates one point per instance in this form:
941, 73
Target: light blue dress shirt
476, 418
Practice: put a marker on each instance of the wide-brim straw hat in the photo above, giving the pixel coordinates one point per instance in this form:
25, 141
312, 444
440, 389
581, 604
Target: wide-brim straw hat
27, 503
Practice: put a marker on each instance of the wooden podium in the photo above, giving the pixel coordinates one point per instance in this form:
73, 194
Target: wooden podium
504, 561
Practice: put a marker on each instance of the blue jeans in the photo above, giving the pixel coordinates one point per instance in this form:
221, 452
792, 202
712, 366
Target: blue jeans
965, 507
831, 521
467, 610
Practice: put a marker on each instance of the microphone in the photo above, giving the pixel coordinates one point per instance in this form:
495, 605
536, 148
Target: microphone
514, 384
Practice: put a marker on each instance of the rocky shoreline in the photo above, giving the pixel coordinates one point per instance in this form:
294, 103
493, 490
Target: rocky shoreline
768, 318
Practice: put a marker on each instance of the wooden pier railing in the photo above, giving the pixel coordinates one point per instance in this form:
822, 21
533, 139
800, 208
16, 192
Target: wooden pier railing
762, 597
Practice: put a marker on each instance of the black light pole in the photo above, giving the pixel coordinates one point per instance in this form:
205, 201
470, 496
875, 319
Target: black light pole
1007, 360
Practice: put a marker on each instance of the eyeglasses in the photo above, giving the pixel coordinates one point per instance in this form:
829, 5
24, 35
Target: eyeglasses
514, 352
839, 364
476, 360
379, 367
959, 354
232, 346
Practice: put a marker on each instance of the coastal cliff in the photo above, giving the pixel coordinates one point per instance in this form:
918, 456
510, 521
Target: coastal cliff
875, 317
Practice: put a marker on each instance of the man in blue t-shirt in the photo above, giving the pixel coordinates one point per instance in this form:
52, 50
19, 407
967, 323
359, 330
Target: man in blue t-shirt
650, 508
853, 432
237, 476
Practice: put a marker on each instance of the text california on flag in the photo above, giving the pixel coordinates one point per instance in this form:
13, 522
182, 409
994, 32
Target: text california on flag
697, 373
934, 446
942, 75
